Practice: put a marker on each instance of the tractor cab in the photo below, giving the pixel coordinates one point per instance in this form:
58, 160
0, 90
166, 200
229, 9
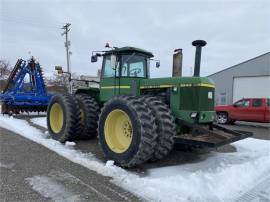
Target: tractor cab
122, 70
126, 62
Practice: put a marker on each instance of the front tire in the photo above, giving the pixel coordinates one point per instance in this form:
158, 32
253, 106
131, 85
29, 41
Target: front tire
127, 131
63, 118
166, 128
232, 121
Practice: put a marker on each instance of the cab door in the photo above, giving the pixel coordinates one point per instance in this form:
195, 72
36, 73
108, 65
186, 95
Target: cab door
134, 67
257, 110
267, 111
240, 110
109, 81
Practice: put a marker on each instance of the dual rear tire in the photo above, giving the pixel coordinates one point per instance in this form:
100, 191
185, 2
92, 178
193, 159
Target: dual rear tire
72, 117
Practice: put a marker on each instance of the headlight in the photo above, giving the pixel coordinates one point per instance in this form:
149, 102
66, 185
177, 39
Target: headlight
174, 89
193, 114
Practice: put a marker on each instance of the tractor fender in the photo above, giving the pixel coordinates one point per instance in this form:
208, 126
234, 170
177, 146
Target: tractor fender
93, 92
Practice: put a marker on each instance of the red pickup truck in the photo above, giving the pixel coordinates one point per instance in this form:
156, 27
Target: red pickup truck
247, 109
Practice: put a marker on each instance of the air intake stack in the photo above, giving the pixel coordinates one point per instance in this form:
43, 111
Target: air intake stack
197, 65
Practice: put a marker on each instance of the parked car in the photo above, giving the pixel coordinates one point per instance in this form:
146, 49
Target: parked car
247, 109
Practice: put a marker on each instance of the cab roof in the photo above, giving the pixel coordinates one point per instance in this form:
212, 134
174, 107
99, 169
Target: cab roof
130, 49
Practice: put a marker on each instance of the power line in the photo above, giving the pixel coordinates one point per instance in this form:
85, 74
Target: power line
27, 22
29, 18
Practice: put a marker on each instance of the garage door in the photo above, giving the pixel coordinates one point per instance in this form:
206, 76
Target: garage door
251, 87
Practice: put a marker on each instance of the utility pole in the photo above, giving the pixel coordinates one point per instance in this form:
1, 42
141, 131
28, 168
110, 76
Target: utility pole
67, 44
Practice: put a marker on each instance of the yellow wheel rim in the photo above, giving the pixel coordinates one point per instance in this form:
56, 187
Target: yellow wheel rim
56, 118
118, 131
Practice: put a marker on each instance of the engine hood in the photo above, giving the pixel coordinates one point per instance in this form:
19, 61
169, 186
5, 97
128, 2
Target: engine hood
176, 81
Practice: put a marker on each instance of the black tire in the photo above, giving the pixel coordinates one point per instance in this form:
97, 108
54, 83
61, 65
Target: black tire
166, 128
71, 118
144, 136
231, 121
222, 117
90, 109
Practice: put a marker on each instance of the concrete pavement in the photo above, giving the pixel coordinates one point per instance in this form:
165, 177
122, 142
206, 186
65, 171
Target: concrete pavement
31, 172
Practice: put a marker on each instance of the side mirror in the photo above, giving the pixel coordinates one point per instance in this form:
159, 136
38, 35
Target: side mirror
113, 61
94, 58
157, 64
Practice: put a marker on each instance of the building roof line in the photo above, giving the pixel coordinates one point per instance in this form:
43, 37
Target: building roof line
239, 64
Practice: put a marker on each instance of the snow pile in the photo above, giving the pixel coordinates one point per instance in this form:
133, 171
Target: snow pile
220, 177
70, 144
109, 163
41, 121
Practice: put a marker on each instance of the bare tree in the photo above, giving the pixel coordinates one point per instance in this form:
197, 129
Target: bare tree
5, 69
60, 79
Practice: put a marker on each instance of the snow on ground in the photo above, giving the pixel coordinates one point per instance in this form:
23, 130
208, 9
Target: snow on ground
49, 188
70, 144
41, 121
219, 177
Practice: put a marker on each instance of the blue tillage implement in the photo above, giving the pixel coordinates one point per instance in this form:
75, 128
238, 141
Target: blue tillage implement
25, 90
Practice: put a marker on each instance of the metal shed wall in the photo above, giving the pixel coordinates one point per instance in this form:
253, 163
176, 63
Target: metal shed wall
258, 66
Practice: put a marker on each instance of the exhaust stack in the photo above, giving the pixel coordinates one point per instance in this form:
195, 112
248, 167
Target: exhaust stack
199, 44
177, 63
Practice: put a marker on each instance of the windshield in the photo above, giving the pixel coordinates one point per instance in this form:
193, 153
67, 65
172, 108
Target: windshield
134, 65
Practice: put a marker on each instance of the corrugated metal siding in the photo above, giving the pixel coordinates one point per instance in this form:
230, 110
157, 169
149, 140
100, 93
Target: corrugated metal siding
259, 66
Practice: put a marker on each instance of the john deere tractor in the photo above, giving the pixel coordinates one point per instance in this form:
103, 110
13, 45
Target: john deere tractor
136, 118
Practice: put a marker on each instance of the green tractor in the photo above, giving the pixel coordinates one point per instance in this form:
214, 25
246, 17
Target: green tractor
136, 118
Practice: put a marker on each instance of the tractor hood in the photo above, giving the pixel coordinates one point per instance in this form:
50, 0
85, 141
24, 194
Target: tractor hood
177, 82
187, 95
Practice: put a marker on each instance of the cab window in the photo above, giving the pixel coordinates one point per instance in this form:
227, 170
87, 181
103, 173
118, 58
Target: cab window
256, 102
108, 71
242, 103
268, 102
245, 103
239, 103
134, 65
